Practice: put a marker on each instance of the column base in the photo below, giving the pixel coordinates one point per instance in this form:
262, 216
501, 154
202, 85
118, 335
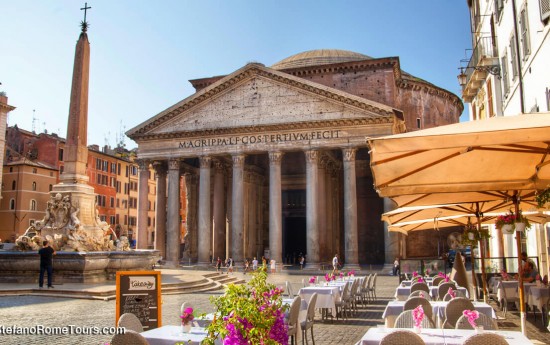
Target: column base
171, 264
348, 267
313, 266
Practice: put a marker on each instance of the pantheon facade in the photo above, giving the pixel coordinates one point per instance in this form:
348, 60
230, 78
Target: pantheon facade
273, 160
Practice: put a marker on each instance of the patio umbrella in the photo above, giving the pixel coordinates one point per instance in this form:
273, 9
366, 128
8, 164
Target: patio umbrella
466, 162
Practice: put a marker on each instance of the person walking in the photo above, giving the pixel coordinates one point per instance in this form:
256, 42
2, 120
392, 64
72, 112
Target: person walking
46, 264
335, 264
218, 264
246, 266
229, 265
302, 262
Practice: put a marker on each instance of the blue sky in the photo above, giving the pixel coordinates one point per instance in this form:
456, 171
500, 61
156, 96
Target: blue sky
144, 52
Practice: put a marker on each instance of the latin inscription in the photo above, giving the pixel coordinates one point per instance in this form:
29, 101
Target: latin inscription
259, 139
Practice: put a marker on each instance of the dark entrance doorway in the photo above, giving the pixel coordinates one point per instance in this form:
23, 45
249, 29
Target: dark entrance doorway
294, 225
294, 238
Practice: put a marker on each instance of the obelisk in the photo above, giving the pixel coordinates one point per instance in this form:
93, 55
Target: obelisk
76, 150
74, 181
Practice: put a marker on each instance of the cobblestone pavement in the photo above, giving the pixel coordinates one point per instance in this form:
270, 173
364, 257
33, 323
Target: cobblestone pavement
51, 311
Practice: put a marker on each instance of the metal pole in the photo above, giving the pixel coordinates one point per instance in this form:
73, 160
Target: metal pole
482, 254
516, 200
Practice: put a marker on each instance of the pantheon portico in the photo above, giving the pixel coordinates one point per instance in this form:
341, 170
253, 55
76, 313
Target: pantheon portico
274, 162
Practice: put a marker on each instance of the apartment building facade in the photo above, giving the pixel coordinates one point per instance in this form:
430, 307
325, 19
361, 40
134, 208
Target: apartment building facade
507, 75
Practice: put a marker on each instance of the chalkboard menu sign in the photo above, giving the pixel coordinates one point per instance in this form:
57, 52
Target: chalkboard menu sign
138, 292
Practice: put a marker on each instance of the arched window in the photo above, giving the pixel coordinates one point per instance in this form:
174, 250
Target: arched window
33, 185
13, 185
12, 204
33, 205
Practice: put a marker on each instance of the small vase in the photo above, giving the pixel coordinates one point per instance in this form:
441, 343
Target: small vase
507, 229
417, 329
186, 327
520, 227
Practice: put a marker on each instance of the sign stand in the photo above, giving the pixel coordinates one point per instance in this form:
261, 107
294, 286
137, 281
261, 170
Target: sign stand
139, 293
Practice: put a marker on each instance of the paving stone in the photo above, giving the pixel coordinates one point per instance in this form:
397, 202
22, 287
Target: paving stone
51, 311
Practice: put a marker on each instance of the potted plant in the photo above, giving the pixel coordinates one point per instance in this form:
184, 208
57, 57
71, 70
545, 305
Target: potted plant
522, 223
543, 198
505, 222
251, 313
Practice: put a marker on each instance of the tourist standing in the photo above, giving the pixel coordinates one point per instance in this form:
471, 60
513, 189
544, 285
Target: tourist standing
255, 264
335, 264
46, 264
396, 266
302, 259
273, 265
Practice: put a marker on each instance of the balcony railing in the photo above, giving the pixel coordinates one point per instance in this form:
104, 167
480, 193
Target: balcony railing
483, 50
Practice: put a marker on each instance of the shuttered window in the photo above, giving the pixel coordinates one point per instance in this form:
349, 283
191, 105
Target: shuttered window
524, 26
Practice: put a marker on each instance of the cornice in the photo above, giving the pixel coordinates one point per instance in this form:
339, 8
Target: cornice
267, 128
250, 71
417, 85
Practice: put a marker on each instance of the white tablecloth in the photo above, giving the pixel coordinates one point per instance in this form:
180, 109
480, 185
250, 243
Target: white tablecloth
409, 282
438, 336
326, 295
402, 292
538, 297
394, 308
169, 335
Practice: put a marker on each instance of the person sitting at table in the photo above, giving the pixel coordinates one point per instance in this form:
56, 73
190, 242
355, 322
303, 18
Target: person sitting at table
530, 272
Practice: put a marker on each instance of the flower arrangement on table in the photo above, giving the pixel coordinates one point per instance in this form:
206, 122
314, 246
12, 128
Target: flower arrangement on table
341, 276
351, 273
445, 277
312, 280
187, 316
251, 313
415, 274
329, 277
418, 316
472, 316
451, 292
420, 280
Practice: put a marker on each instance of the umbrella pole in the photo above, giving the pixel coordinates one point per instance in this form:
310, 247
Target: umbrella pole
520, 277
482, 254
474, 280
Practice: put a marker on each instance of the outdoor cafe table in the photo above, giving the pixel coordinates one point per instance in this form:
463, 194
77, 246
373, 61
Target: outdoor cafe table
169, 335
394, 308
538, 297
438, 336
402, 292
326, 296
509, 288
409, 282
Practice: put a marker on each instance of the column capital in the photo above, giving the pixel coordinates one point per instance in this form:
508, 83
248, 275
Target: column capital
218, 166
312, 156
174, 164
275, 157
238, 160
160, 167
205, 161
143, 164
349, 154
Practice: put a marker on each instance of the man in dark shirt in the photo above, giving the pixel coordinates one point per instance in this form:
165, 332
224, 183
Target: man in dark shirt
46, 264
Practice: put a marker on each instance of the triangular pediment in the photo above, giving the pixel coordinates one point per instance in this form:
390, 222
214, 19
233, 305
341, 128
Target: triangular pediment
256, 96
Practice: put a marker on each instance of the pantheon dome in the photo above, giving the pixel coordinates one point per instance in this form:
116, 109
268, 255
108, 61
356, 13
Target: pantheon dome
319, 57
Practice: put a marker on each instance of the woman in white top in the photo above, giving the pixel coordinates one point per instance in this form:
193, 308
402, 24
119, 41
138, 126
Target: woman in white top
272, 266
